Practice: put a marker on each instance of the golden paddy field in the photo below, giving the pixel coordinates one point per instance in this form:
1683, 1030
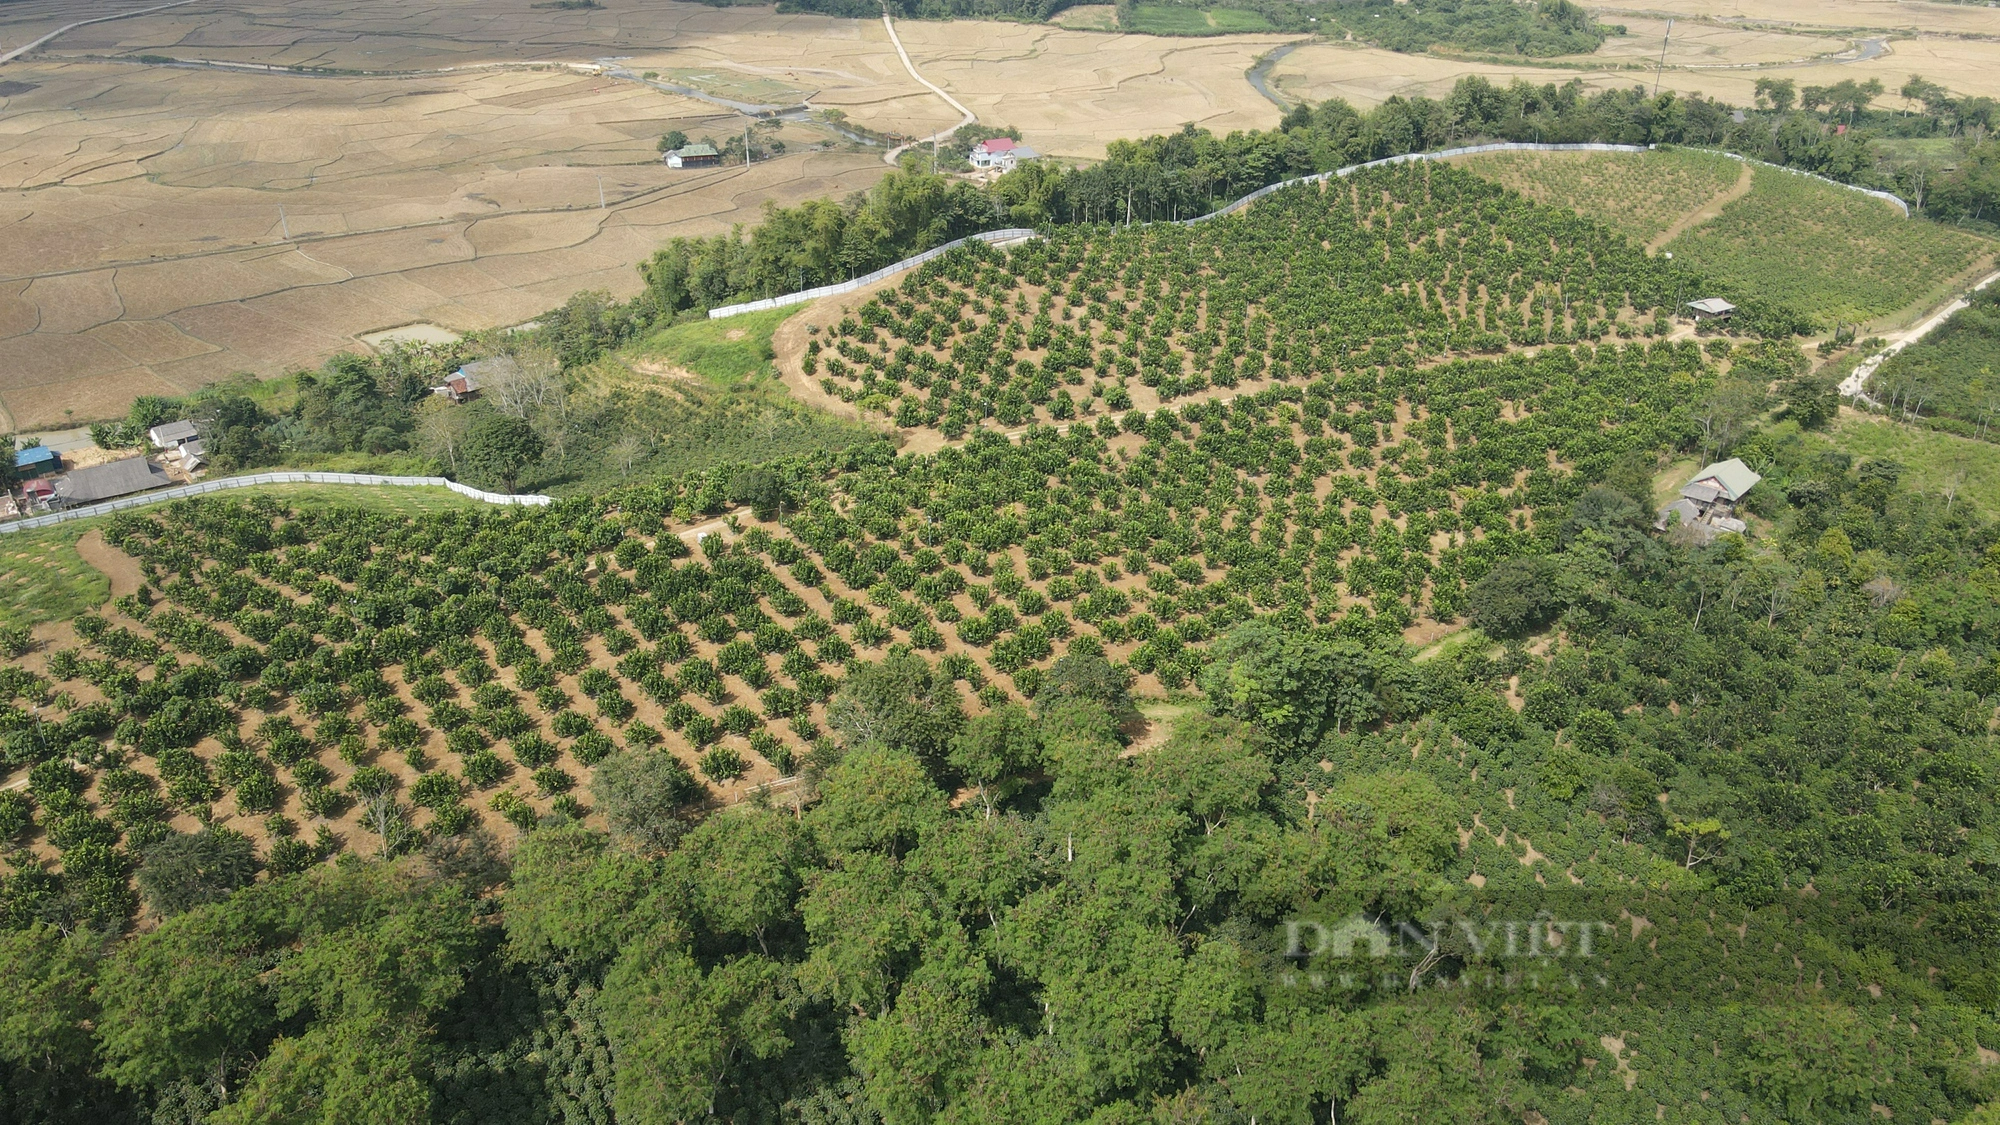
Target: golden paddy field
175, 211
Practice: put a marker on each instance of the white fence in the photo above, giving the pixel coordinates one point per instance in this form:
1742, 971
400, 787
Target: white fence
184, 491
1318, 177
1010, 235
1881, 195
1441, 154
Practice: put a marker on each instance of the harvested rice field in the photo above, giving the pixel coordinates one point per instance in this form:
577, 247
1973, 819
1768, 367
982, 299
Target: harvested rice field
206, 189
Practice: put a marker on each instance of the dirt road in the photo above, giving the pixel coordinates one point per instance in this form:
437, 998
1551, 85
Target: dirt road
1855, 385
970, 117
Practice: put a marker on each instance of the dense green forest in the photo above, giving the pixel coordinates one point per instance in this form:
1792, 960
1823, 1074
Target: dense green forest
1501, 27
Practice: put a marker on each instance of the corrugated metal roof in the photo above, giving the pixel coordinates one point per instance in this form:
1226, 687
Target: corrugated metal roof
166, 433
1733, 476
113, 478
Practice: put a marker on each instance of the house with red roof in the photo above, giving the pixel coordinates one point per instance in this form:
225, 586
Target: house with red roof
1001, 152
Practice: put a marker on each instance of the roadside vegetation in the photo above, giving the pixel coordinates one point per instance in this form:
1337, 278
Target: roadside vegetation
1947, 380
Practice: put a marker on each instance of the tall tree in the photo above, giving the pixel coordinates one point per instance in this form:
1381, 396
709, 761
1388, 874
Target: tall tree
499, 447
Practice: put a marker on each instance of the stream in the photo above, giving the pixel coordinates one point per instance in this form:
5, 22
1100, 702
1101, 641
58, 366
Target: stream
1259, 75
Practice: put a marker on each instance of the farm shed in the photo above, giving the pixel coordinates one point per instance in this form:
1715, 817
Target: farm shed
1707, 504
468, 380
170, 435
1710, 308
696, 155
36, 460
1729, 479
109, 480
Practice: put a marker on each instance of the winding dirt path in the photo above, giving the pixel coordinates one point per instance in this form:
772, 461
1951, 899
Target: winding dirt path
1856, 383
970, 117
1705, 212
121, 568
22, 50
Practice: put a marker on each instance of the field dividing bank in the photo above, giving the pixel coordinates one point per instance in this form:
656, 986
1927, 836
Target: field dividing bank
967, 116
51, 36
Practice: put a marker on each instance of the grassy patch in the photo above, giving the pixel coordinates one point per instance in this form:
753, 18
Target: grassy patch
1170, 19
642, 422
401, 501
1831, 253
1668, 482
1934, 461
1452, 642
722, 352
1639, 194
1238, 19
42, 578
1917, 148
383, 464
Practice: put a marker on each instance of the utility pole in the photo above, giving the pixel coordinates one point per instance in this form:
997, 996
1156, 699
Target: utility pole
746, 145
1663, 57
600, 193
284, 225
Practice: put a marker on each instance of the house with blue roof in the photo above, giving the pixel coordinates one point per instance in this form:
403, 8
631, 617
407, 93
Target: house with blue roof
37, 460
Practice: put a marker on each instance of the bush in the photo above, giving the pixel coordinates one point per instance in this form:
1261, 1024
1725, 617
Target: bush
184, 871
591, 749
1515, 598
646, 796
483, 770
549, 781
723, 764
534, 751
290, 856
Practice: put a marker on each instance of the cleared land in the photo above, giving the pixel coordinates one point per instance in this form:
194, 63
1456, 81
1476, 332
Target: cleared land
1833, 253
1641, 195
1937, 463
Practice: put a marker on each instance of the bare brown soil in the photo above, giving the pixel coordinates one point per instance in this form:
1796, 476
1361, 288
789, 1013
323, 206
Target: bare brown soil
121, 568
